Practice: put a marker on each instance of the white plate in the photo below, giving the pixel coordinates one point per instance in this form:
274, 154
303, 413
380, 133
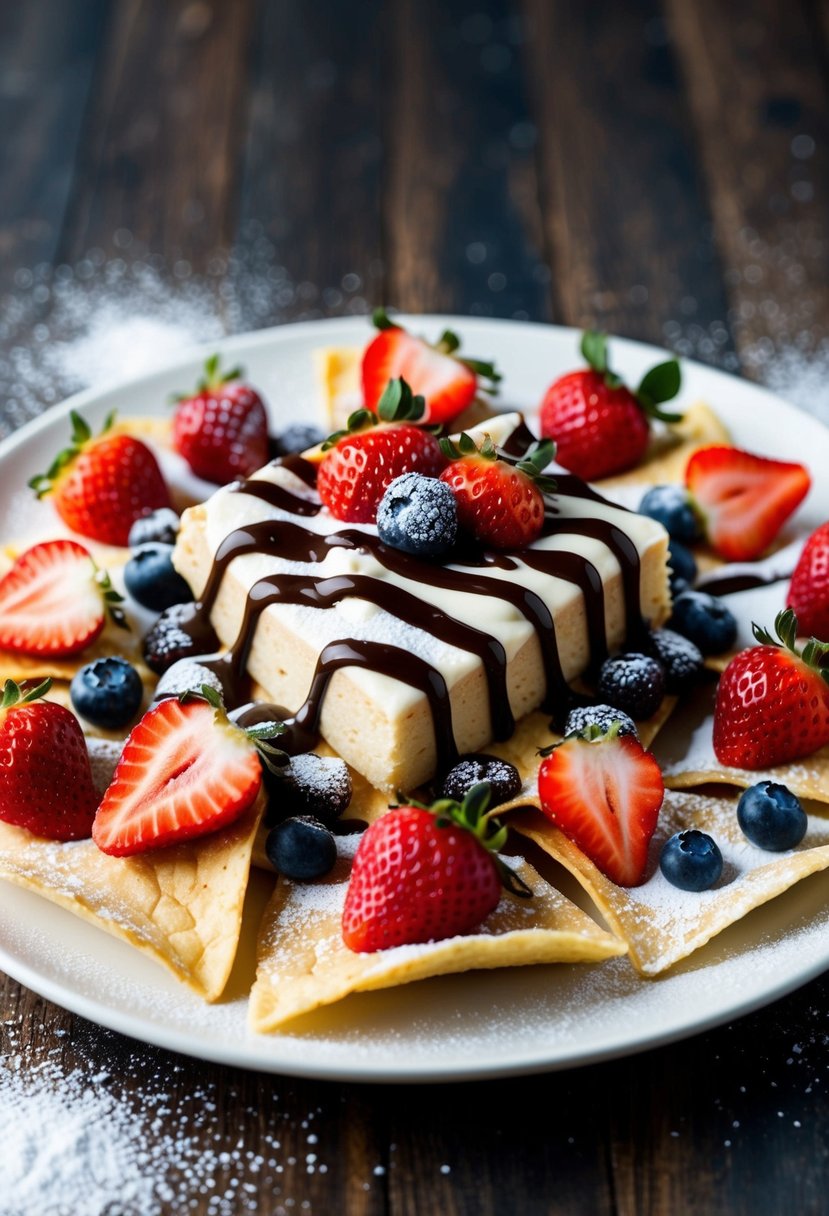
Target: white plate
484, 1024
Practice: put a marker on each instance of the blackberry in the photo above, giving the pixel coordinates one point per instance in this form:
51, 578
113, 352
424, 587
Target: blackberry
319, 786
681, 659
296, 438
503, 778
602, 716
186, 675
168, 640
634, 683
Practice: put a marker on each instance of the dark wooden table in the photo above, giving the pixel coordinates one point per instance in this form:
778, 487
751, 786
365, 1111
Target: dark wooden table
660, 169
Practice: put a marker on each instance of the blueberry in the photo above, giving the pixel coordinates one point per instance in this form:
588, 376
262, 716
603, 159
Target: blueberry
672, 507
152, 579
681, 659
602, 716
159, 526
108, 692
503, 778
301, 848
682, 566
705, 620
297, 438
418, 515
319, 786
678, 585
173, 637
691, 860
771, 817
634, 683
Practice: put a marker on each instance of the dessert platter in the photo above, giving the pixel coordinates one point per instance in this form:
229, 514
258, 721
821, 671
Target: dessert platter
387, 738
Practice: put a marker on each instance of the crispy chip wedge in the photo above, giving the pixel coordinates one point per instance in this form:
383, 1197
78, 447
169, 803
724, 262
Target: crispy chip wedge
181, 905
304, 964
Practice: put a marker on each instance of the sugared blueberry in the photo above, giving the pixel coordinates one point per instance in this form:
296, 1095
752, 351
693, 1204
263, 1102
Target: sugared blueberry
301, 848
173, 637
152, 579
705, 620
682, 566
107, 692
603, 716
319, 786
681, 659
418, 515
296, 438
187, 675
691, 860
159, 527
634, 683
771, 817
672, 507
503, 778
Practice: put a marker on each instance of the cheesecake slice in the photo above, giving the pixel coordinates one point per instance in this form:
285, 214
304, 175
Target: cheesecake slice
400, 663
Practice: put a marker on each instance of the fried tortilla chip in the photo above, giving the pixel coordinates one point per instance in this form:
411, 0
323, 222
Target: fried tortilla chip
303, 962
181, 905
662, 924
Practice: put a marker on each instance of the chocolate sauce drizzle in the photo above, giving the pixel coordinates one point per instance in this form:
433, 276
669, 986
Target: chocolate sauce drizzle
467, 573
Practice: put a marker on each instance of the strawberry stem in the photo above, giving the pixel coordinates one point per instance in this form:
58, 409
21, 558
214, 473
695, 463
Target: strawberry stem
661, 383
15, 694
43, 483
785, 634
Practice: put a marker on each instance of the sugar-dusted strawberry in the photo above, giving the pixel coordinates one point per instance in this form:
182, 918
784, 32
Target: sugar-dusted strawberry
362, 461
423, 874
772, 701
808, 595
45, 774
499, 503
185, 770
604, 791
447, 381
601, 426
101, 484
221, 429
743, 499
54, 601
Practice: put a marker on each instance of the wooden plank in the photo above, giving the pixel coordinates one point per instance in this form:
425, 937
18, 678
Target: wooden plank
311, 179
47, 58
160, 149
461, 209
625, 212
759, 101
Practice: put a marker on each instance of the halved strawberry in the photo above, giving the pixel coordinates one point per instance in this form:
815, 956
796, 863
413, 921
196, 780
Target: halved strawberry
185, 770
744, 499
604, 791
54, 601
448, 383
808, 595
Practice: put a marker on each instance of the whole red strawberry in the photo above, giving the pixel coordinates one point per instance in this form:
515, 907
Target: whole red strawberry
221, 430
743, 499
500, 504
447, 382
772, 701
361, 462
45, 773
600, 426
809, 589
54, 601
100, 485
604, 791
423, 874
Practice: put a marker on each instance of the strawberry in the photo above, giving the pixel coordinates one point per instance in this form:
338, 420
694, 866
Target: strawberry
599, 425
422, 874
447, 382
743, 499
185, 770
221, 430
54, 601
101, 485
604, 791
500, 504
772, 701
809, 589
45, 774
362, 461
